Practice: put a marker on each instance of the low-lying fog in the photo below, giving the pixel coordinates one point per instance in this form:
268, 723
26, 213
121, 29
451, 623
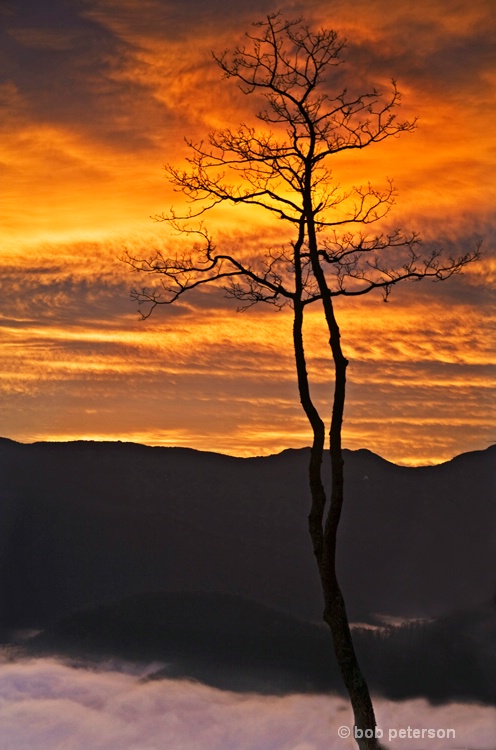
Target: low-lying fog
48, 705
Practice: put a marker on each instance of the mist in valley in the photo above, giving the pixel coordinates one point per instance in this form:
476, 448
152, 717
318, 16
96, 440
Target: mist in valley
46, 703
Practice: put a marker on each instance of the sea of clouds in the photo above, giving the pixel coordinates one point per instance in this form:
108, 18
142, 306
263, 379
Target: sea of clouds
46, 704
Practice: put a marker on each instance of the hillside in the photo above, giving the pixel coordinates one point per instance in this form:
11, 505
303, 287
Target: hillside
235, 644
83, 524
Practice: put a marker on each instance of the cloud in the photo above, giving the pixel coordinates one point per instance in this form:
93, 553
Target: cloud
47, 704
64, 65
96, 95
202, 375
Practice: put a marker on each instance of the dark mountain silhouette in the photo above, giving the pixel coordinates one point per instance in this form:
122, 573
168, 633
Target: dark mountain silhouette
83, 524
232, 643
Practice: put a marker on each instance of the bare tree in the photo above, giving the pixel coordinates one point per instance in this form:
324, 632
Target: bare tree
330, 250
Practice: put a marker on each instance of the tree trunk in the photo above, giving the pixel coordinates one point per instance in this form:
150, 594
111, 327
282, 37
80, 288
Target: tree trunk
335, 613
324, 537
324, 533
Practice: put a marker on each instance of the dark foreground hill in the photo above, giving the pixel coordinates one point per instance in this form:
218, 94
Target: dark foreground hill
83, 524
235, 644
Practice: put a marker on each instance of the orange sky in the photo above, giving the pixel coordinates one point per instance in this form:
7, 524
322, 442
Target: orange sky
96, 96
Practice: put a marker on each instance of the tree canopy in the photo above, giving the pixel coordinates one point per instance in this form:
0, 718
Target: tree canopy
285, 169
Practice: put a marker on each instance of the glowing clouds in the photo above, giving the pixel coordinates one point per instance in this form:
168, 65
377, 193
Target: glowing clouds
95, 100
204, 376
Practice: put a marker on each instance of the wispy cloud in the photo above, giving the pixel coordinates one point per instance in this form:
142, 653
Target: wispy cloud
96, 96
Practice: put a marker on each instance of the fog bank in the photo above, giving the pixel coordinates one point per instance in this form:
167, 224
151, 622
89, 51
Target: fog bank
48, 705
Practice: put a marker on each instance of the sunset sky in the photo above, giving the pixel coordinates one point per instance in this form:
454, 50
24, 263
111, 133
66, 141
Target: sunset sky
96, 96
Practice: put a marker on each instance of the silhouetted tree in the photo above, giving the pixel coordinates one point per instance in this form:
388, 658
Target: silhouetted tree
284, 169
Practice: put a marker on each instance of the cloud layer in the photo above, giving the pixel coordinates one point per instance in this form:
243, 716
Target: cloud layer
47, 704
96, 95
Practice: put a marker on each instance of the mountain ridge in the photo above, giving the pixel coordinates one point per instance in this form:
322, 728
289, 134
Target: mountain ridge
84, 522
186, 449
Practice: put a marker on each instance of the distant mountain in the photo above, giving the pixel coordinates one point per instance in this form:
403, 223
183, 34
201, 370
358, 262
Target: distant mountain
235, 644
83, 524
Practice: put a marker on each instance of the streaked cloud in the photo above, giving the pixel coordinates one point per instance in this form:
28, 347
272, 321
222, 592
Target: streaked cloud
96, 96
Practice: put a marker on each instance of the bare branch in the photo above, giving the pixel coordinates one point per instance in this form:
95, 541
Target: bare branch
285, 172
329, 249
202, 265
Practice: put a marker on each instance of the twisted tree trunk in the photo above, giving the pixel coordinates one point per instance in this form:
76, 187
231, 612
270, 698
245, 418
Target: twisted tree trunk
323, 528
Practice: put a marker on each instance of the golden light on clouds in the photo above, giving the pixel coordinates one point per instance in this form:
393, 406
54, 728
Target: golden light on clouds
96, 99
